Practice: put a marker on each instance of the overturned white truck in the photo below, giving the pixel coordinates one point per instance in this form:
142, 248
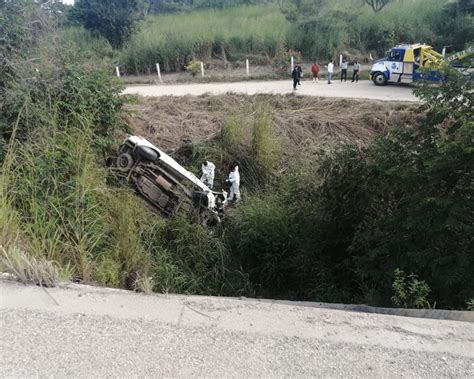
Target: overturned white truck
167, 185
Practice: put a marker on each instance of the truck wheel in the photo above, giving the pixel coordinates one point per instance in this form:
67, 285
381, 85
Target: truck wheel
379, 79
124, 162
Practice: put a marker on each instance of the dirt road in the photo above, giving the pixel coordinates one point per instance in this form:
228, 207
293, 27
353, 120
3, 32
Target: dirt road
362, 90
84, 331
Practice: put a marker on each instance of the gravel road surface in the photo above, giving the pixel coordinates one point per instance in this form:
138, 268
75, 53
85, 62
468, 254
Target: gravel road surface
83, 331
362, 90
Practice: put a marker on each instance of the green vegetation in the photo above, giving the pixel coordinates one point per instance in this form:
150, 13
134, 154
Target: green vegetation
113, 19
388, 223
174, 40
323, 29
319, 29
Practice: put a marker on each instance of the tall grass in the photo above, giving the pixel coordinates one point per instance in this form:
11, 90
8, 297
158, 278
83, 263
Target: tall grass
173, 40
261, 31
349, 26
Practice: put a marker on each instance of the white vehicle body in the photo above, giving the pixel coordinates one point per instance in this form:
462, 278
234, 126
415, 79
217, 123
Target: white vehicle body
166, 185
165, 158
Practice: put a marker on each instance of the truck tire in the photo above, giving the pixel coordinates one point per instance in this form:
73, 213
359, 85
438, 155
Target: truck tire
124, 162
379, 79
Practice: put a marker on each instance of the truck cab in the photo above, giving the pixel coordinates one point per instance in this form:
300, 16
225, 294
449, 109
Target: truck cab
402, 63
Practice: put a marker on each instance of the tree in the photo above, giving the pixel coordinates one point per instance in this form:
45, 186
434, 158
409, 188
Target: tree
114, 19
377, 5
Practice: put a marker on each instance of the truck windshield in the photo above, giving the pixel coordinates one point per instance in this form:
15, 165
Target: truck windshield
395, 56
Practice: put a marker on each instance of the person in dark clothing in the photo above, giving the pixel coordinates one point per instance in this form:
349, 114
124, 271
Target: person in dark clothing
296, 77
300, 73
344, 69
355, 74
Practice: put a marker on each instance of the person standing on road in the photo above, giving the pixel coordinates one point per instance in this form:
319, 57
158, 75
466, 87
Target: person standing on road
208, 169
344, 69
330, 70
300, 72
234, 181
315, 71
296, 77
355, 74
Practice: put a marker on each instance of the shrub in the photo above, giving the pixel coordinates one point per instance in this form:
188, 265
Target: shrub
115, 20
196, 258
261, 242
403, 202
409, 292
193, 67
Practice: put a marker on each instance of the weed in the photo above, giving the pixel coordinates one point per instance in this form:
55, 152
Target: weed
409, 291
31, 270
144, 284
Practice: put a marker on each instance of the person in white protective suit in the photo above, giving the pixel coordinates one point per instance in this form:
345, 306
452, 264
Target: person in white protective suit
234, 182
207, 177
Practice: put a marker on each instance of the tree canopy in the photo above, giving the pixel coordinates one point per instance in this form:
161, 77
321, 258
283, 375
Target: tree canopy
113, 19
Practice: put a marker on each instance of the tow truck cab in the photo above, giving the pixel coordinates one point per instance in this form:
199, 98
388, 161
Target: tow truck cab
401, 65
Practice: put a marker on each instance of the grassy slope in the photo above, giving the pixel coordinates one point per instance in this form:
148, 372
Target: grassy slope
174, 39
262, 31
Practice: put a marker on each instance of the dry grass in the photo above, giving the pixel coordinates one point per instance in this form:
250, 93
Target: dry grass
144, 284
30, 270
303, 123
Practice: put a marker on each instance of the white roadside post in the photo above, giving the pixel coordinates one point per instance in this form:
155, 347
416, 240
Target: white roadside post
340, 60
159, 72
247, 68
443, 53
202, 69
117, 71
292, 63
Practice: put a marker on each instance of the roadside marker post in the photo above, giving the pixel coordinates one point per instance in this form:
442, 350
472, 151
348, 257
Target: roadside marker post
292, 63
247, 67
159, 72
202, 69
340, 60
443, 53
117, 71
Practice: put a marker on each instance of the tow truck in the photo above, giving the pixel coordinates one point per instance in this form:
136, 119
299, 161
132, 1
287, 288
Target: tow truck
166, 185
403, 62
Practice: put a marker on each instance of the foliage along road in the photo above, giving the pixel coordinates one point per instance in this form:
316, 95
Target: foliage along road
363, 90
84, 331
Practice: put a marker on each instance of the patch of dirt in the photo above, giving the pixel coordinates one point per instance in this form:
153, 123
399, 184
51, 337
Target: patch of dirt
302, 122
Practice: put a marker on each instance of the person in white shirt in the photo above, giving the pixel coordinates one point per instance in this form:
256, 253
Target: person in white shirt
208, 169
330, 71
234, 181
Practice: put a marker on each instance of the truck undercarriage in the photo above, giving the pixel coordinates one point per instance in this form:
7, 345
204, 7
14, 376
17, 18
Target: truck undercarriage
167, 186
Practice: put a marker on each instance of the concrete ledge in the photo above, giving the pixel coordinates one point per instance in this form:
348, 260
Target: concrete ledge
437, 314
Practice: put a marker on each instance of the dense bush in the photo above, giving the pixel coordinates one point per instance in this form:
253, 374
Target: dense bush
114, 19
342, 230
60, 114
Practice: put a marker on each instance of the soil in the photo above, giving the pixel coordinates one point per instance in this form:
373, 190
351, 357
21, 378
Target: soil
231, 73
302, 123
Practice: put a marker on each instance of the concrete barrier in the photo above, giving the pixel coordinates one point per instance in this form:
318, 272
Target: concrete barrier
438, 314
